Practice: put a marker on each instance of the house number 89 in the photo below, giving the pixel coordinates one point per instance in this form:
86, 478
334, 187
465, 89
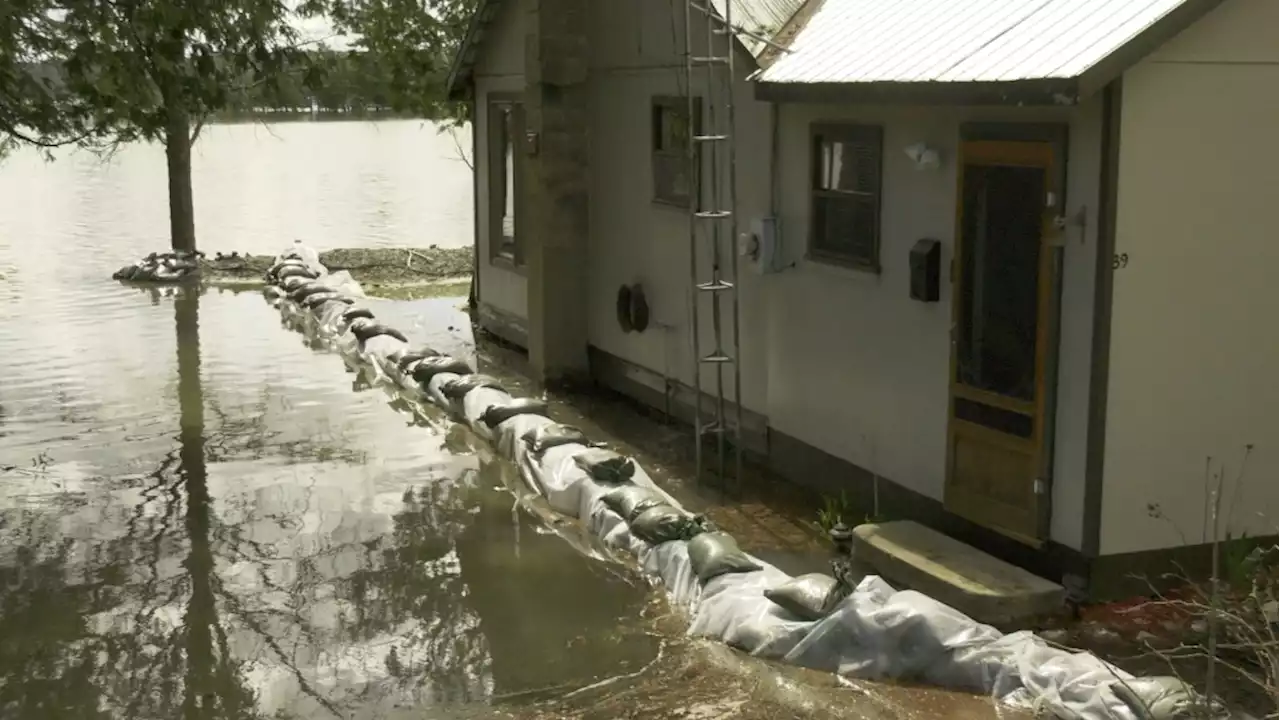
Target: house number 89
1119, 260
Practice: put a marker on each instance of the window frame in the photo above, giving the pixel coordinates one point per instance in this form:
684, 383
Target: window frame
503, 253
853, 133
657, 104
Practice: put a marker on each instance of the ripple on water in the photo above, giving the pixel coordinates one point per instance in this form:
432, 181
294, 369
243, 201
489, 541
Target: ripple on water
197, 509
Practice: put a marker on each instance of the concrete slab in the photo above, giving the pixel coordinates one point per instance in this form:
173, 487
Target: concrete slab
983, 587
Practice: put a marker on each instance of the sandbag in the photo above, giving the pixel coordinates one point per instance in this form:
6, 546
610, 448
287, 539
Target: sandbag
541, 439
294, 269
606, 466
631, 500
412, 355
1159, 698
365, 329
457, 387
357, 313
310, 288
715, 553
495, 414
428, 368
663, 523
315, 299
293, 283
808, 597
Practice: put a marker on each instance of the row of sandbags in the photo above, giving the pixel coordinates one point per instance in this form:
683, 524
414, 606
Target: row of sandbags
169, 267
865, 629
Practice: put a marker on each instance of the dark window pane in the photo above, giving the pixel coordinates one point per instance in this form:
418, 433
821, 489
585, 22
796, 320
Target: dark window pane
505, 128
509, 177
849, 166
999, 276
672, 131
846, 227
671, 177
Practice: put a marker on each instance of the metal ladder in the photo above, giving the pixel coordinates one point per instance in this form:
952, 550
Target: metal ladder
713, 221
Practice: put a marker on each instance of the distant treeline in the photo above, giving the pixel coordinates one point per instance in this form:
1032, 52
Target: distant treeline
351, 83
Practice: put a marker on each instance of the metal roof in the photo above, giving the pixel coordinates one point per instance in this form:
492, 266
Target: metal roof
756, 23
960, 41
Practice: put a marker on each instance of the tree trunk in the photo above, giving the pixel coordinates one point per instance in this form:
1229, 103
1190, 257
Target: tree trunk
177, 149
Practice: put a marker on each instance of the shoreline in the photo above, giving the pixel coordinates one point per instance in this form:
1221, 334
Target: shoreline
399, 273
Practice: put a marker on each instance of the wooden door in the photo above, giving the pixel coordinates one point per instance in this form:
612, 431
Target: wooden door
999, 339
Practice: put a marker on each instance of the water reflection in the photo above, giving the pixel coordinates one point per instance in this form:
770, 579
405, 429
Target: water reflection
267, 568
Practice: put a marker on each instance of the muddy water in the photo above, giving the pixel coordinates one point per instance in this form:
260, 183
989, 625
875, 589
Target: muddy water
199, 515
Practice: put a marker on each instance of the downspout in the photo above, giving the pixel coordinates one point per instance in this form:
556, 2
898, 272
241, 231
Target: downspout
773, 162
473, 302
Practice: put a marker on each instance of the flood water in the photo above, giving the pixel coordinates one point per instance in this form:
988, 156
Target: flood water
201, 517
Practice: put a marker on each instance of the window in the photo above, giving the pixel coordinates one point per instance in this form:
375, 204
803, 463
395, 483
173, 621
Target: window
671, 134
845, 222
506, 126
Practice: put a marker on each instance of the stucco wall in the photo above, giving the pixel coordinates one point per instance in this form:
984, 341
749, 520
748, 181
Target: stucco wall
637, 48
499, 68
1193, 351
860, 370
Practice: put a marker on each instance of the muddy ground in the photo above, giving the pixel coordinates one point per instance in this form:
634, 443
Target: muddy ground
400, 273
694, 679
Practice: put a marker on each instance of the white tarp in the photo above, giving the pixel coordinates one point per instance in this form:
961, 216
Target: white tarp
876, 632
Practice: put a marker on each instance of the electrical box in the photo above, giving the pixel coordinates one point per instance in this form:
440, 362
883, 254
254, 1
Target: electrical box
769, 246
926, 270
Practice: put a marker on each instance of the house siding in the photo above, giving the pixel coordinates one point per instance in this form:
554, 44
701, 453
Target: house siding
499, 69
1193, 352
857, 368
637, 49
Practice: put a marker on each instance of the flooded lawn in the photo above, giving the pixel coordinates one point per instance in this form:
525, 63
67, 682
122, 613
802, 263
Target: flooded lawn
200, 518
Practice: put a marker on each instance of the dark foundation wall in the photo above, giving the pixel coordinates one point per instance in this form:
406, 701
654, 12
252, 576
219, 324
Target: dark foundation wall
790, 460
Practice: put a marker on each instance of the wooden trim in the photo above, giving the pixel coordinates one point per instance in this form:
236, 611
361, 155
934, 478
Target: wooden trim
984, 513
1100, 349
1015, 153
994, 437
966, 392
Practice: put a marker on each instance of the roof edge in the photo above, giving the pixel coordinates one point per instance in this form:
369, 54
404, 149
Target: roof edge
1138, 47
1051, 92
458, 81
1016, 92
781, 41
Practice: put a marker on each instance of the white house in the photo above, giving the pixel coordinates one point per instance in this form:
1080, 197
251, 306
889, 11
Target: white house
1089, 180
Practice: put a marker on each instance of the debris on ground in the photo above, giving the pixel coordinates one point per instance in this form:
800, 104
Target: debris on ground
396, 272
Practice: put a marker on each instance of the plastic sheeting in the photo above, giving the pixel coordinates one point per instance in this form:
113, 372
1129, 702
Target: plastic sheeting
876, 632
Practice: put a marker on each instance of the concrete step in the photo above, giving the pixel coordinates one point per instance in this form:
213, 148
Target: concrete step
985, 588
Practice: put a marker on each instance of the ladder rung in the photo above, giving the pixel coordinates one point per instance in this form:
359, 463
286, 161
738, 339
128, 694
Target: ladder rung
717, 359
715, 286
711, 428
709, 138
713, 214
710, 59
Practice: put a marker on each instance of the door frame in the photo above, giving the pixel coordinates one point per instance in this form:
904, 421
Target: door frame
1023, 144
